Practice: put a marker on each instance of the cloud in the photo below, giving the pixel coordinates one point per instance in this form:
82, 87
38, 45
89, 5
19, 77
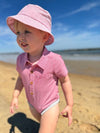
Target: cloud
93, 25
7, 39
4, 30
86, 7
59, 27
6, 34
75, 40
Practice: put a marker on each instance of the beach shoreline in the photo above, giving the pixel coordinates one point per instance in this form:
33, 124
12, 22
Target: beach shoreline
82, 67
86, 108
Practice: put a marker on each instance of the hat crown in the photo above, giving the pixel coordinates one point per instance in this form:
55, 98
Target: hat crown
37, 13
34, 16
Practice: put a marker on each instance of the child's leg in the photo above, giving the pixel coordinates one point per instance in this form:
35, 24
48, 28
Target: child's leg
36, 115
49, 120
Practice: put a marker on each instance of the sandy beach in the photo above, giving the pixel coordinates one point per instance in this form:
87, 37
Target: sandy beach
86, 109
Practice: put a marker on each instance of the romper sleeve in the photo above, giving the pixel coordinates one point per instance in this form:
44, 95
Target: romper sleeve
60, 68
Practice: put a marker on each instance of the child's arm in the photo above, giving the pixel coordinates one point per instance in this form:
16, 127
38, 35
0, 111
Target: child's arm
67, 89
16, 93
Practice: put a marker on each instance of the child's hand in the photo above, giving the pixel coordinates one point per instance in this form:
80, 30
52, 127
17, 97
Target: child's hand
67, 112
14, 103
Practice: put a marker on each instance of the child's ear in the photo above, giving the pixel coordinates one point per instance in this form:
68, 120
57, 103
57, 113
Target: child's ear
46, 37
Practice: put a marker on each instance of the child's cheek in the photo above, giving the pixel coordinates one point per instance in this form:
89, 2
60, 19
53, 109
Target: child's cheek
17, 39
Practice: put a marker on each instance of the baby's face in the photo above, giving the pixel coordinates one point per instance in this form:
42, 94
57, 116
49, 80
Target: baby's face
30, 39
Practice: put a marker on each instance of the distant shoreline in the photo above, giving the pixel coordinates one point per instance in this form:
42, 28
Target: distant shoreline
58, 51
84, 55
84, 49
79, 51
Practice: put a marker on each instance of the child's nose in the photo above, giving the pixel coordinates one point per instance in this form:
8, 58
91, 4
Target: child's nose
22, 36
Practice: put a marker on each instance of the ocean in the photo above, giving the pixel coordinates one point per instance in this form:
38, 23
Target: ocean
82, 54
85, 62
9, 57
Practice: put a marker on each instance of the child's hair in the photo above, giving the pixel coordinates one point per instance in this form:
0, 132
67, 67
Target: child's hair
34, 16
16, 24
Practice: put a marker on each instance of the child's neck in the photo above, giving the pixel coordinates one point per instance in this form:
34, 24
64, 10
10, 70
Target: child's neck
35, 57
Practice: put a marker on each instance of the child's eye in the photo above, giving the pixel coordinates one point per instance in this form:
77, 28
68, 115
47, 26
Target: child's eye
26, 31
17, 32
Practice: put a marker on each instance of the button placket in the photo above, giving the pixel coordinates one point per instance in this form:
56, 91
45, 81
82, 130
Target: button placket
31, 84
31, 93
31, 71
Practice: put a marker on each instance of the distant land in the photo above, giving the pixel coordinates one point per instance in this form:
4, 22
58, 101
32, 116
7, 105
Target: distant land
79, 51
96, 50
10, 53
85, 49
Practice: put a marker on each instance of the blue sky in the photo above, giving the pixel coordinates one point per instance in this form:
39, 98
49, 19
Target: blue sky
75, 23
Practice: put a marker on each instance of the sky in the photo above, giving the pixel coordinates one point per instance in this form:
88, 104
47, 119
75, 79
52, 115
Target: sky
75, 23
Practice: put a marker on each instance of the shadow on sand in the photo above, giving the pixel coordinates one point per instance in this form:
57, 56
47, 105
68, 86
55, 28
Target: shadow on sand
24, 124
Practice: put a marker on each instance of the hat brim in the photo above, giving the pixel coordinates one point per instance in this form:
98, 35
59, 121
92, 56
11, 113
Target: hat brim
30, 22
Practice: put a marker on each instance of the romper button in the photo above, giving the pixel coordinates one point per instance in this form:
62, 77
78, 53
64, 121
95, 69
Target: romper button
31, 93
31, 83
31, 71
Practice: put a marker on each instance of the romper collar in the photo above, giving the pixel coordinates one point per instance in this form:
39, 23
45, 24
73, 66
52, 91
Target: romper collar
42, 62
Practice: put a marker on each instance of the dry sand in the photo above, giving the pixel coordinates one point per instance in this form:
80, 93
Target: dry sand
86, 109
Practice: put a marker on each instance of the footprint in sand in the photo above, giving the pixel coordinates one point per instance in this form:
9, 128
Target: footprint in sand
80, 94
89, 128
13, 78
75, 121
97, 119
97, 86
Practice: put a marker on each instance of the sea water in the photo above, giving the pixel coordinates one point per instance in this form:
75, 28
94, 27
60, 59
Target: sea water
9, 57
90, 55
83, 56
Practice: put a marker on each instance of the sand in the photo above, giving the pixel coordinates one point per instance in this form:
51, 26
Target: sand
86, 109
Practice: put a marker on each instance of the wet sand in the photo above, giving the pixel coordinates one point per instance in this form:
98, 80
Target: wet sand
86, 109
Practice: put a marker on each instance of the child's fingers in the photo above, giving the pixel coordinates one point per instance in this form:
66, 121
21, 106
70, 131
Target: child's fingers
67, 113
64, 113
69, 119
11, 109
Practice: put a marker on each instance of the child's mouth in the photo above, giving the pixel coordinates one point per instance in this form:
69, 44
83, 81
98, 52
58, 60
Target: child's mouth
24, 45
